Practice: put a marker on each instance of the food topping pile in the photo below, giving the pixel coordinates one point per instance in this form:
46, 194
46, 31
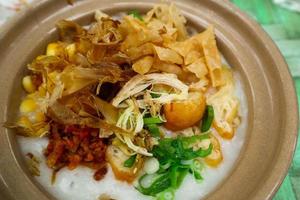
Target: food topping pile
138, 94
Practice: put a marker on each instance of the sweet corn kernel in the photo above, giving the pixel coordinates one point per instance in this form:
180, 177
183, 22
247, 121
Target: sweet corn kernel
54, 49
28, 84
40, 117
40, 57
71, 50
36, 117
27, 105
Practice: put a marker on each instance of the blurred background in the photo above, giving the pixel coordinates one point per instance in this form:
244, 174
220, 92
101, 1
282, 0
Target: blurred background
281, 19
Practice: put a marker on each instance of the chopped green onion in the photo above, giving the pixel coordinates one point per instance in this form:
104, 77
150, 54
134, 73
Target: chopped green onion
154, 95
153, 129
189, 141
196, 169
130, 161
175, 149
182, 172
151, 165
173, 175
197, 165
177, 174
197, 176
152, 120
168, 194
136, 14
147, 180
159, 184
176, 158
207, 119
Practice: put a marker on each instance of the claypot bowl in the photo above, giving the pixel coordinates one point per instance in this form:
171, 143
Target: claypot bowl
272, 106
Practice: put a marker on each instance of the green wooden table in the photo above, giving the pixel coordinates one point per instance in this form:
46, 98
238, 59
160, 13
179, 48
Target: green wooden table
283, 25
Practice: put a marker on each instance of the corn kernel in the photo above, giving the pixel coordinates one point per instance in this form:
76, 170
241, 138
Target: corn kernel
40, 57
28, 84
27, 105
36, 117
71, 50
54, 49
40, 117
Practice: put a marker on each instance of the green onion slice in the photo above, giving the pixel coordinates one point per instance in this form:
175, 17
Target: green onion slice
176, 159
154, 95
153, 129
159, 184
130, 161
168, 194
152, 120
136, 14
196, 169
207, 119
